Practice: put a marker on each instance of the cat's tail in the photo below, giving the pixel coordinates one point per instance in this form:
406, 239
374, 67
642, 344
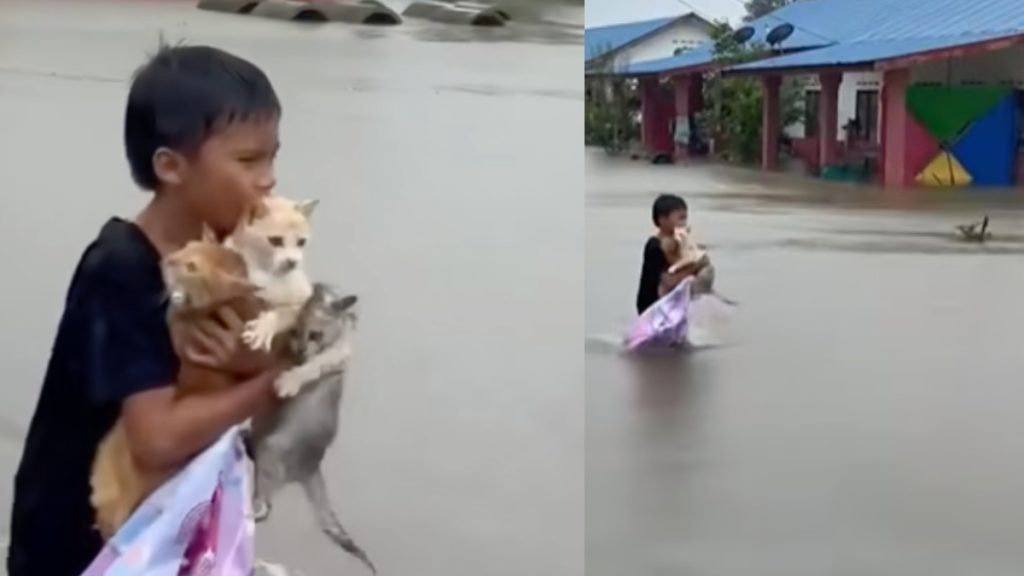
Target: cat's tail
316, 493
114, 493
725, 299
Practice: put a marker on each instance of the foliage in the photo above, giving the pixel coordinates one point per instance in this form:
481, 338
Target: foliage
609, 108
758, 8
609, 119
733, 110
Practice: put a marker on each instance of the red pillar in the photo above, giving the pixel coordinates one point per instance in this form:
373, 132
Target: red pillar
695, 97
648, 110
828, 119
894, 128
656, 113
770, 123
689, 100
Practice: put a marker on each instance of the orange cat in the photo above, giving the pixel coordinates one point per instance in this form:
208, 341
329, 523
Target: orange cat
200, 278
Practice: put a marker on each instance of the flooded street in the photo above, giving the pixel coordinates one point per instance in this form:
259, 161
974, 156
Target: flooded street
450, 173
864, 416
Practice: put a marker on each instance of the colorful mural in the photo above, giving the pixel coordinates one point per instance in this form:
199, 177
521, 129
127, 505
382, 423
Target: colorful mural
959, 136
944, 170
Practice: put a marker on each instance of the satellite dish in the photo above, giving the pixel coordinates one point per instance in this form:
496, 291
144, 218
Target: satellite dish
743, 34
779, 33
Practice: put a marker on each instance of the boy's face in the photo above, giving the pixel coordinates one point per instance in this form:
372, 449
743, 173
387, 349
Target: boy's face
233, 169
675, 219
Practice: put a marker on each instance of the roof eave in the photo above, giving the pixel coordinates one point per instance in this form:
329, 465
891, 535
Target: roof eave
798, 70
607, 74
694, 69
883, 64
959, 51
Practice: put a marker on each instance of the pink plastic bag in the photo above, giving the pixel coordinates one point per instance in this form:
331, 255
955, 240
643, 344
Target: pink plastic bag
199, 523
664, 324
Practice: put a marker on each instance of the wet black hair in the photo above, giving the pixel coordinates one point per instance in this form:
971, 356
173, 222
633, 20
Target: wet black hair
665, 205
183, 94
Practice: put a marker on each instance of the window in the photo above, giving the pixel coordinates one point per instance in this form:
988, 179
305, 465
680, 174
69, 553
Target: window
811, 98
683, 46
867, 116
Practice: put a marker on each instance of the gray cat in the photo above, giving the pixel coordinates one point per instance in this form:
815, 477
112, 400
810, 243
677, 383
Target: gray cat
290, 446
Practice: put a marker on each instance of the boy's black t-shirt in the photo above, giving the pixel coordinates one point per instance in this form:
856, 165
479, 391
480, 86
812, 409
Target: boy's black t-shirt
112, 342
655, 264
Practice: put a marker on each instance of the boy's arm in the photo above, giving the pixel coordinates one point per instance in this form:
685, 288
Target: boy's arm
654, 260
130, 362
650, 274
165, 431
672, 278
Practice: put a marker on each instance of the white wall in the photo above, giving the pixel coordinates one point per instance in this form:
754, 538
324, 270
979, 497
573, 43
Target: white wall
852, 82
1005, 68
686, 33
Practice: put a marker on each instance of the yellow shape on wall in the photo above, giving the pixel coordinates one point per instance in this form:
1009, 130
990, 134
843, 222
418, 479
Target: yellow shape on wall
944, 170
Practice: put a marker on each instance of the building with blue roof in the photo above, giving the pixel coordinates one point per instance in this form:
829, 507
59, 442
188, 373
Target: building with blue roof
613, 47
612, 50
921, 92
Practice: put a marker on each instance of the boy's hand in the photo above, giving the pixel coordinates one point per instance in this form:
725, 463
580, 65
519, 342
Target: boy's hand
682, 271
673, 276
216, 342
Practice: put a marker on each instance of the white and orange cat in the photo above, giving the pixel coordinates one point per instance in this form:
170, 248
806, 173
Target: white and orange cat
272, 242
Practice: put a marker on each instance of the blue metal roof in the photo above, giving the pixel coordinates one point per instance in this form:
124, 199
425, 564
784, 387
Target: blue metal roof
603, 39
820, 22
696, 57
935, 18
865, 52
830, 32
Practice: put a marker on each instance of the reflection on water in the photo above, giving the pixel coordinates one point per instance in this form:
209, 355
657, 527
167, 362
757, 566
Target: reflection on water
661, 381
864, 417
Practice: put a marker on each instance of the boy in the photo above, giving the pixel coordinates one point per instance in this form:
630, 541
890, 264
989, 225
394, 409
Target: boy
201, 133
669, 213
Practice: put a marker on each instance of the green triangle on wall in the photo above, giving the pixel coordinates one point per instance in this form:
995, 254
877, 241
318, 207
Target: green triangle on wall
946, 111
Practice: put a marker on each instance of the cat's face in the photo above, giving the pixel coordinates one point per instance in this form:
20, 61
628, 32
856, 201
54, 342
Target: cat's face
204, 273
275, 234
328, 318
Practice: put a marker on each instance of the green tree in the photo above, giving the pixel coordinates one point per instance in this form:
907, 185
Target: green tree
732, 115
758, 8
609, 107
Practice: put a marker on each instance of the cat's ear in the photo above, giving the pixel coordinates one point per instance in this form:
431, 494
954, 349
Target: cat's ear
251, 213
342, 305
306, 207
209, 235
257, 210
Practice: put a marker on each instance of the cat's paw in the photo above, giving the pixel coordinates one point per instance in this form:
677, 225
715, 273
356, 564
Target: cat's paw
289, 384
259, 333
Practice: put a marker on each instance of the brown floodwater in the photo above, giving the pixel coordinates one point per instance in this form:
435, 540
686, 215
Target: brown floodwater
450, 173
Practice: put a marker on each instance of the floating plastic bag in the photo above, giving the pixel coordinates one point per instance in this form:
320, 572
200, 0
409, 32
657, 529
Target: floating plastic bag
199, 523
664, 324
